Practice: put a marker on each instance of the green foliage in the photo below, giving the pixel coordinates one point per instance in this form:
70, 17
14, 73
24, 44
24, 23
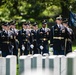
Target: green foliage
35, 10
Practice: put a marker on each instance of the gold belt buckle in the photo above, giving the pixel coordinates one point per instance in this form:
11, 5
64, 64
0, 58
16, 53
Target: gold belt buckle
44, 39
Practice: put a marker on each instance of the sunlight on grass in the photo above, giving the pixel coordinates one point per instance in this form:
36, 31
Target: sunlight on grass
74, 48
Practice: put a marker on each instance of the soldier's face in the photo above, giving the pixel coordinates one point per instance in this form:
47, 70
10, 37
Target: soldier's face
6, 28
35, 27
58, 21
12, 26
24, 26
44, 25
9, 27
28, 26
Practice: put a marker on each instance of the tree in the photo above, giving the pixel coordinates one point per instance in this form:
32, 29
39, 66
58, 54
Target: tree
34, 9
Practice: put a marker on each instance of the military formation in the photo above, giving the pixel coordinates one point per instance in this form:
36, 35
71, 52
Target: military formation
33, 40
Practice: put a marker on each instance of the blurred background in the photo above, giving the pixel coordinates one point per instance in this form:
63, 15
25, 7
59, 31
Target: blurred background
35, 10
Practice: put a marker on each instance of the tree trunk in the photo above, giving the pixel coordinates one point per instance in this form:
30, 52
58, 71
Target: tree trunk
65, 9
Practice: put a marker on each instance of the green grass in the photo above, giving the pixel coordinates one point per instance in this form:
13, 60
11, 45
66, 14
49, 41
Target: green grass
17, 73
74, 45
74, 48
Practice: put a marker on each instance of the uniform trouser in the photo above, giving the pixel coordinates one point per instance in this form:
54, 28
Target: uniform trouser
25, 52
46, 49
34, 50
15, 51
68, 47
58, 52
5, 50
5, 53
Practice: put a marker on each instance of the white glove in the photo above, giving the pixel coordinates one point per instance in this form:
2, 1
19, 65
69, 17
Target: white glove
51, 49
32, 46
12, 46
23, 47
41, 47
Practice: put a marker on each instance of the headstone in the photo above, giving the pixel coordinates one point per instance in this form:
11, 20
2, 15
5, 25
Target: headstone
62, 61
54, 65
71, 53
2, 66
24, 64
71, 64
37, 61
31, 62
11, 65
45, 62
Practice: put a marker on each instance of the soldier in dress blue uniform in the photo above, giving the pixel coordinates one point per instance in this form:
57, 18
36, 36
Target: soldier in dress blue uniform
43, 37
23, 37
3, 27
0, 45
15, 35
33, 40
71, 38
59, 34
6, 45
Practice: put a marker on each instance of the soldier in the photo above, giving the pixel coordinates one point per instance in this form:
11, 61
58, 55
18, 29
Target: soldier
3, 27
15, 37
43, 37
6, 37
0, 44
33, 41
23, 37
58, 37
70, 39
29, 25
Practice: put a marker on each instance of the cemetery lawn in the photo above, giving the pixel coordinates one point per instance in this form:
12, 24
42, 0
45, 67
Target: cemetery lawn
74, 45
74, 48
17, 72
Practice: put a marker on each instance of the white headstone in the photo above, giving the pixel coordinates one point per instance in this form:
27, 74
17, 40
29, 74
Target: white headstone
2, 66
31, 62
45, 62
37, 61
54, 65
11, 65
24, 64
71, 64
62, 65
